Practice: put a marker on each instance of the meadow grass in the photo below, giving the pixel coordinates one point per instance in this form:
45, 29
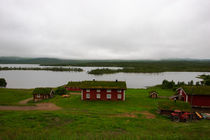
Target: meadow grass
100, 120
13, 96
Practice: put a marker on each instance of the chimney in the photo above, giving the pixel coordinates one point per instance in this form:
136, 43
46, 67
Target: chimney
116, 80
94, 79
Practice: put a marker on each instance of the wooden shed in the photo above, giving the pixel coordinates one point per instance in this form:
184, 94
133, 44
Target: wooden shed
153, 94
42, 93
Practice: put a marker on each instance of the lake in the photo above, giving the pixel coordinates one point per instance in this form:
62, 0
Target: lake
32, 79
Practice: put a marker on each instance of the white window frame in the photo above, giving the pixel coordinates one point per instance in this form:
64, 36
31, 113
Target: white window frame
98, 96
98, 90
88, 96
87, 90
108, 90
119, 96
38, 96
119, 91
108, 96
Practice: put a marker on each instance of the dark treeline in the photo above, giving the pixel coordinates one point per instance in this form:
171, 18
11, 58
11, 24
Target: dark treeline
149, 66
172, 85
131, 66
48, 69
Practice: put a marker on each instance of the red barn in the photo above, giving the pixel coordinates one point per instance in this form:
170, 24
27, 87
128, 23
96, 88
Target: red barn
197, 96
73, 86
103, 90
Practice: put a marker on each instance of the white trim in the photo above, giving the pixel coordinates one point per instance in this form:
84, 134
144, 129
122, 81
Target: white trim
186, 98
87, 96
108, 96
87, 90
108, 90
98, 96
123, 95
119, 91
119, 96
98, 90
82, 94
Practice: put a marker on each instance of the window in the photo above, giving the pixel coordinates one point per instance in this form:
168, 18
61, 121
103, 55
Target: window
98, 90
38, 95
108, 90
119, 90
108, 96
98, 96
88, 96
87, 90
119, 96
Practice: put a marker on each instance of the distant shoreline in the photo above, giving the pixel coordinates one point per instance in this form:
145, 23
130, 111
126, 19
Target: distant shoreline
41, 69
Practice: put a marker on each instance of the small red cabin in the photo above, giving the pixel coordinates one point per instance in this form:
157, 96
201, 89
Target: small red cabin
73, 86
197, 96
103, 90
42, 93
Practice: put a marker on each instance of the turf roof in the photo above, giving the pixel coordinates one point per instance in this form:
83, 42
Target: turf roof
42, 90
197, 90
103, 85
74, 84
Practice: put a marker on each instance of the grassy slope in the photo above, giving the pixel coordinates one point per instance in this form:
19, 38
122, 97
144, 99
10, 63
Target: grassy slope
95, 120
13, 96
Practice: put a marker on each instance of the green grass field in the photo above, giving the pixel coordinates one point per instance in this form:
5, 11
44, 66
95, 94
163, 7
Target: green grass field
98, 120
13, 96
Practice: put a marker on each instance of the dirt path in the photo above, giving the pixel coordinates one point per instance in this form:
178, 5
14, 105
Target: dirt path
25, 101
146, 114
41, 106
75, 93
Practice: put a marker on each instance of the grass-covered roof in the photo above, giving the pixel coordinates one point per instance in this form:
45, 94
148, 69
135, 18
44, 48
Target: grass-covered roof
103, 85
74, 84
42, 90
197, 90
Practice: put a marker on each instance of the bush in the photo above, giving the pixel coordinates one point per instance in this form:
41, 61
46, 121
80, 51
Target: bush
3, 82
168, 84
60, 91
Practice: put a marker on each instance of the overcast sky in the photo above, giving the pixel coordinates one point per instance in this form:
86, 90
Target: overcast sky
105, 29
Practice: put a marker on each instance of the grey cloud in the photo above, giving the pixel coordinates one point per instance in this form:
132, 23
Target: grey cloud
112, 29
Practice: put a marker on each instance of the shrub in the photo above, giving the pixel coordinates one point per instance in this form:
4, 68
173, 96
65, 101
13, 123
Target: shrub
3, 82
60, 91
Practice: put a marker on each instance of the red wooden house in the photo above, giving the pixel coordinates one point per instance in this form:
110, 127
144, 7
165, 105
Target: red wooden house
197, 96
73, 86
42, 93
103, 90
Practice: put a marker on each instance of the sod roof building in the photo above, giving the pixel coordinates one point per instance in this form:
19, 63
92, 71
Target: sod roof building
73, 86
103, 90
42, 93
197, 96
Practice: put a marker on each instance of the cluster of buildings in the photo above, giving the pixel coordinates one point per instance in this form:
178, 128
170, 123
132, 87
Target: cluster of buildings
197, 96
90, 90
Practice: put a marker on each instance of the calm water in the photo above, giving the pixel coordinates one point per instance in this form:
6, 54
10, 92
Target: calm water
32, 79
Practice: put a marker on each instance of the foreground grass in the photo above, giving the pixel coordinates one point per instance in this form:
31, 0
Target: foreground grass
13, 96
97, 120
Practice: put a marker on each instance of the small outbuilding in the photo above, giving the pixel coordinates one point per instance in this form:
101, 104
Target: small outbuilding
153, 94
42, 93
73, 86
197, 96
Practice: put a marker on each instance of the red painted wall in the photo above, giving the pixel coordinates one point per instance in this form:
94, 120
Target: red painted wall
199, 100
196, 100
73, 89
103, 93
